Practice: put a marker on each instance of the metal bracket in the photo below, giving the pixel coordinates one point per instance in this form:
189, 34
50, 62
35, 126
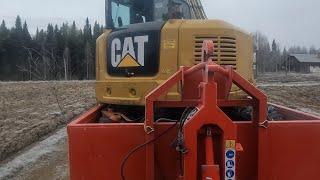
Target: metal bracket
264, 124
148, 129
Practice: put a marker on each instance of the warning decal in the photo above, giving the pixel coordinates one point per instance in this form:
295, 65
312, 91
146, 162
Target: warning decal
230, 159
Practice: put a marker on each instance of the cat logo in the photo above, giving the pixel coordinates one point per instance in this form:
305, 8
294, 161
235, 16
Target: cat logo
129, 54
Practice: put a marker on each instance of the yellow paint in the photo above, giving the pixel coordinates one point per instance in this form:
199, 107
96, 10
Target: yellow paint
128, 61
230, 144
169, 44
180, 41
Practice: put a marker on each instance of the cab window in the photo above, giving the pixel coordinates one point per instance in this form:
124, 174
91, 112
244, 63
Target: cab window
120, 14
171, 9
129, 12
125, 12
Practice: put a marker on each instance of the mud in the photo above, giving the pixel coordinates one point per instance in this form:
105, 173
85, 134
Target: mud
282, 77
297, 91
31, 110
44, 160
305, 98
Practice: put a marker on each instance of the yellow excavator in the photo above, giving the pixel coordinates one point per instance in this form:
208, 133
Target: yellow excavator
176, 101
146, 41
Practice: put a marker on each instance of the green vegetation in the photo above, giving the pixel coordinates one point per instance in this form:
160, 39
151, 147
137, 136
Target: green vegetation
57, 53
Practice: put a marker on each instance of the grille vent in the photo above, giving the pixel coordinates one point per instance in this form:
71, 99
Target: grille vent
225, 49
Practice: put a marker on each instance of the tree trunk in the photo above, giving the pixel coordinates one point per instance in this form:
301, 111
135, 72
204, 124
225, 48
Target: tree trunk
66, 55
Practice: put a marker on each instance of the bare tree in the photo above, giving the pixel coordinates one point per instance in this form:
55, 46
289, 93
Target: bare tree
66, 57
43, 65
88, 60
33, 70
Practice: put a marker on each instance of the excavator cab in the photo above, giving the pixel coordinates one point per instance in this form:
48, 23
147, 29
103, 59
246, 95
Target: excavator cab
124, 12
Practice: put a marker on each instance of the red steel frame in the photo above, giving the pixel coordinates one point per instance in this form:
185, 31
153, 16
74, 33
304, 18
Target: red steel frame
271, 149
96, 150
205, 77
208, 105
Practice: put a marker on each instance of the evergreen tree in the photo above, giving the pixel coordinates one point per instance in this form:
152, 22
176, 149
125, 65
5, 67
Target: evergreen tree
54, 53
87, 31
97, 31
298, 50
16, 51
26, 34
284, 57
274, 46
262, 48
50, 38
51, 52
275, 56
41, 38
89, 45
60, 42
75, 45
4, 34
284, 52
313, 50
18, 24
17, 32
64, 30
4, 64
73, 30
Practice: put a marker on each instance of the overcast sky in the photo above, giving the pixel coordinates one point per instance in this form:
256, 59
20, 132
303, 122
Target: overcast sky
291, 22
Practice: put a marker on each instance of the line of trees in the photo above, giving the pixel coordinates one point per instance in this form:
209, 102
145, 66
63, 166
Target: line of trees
67, 52
270, 58
57, 53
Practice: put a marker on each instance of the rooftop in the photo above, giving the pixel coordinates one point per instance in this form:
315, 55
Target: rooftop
307, 58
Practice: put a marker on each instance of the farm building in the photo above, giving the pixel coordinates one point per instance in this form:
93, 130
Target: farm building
302, 63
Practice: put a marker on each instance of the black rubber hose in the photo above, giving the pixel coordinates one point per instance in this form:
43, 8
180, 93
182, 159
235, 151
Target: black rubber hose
132, 151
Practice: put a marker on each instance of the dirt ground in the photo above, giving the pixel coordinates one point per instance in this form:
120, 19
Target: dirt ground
297, 91
282, 77
48, 158
31, 110
44, 160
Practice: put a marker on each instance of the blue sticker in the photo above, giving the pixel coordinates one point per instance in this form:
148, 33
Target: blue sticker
230, 154
230, 173
230, 164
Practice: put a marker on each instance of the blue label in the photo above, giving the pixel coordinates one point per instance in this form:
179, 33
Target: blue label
230, 164
230, 173
230, 154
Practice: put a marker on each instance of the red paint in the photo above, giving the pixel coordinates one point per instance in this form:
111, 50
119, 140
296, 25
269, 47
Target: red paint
279, 150
96, 150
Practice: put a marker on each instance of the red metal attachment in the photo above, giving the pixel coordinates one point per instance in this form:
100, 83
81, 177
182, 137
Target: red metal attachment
213, 140
208, 111
210, 169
